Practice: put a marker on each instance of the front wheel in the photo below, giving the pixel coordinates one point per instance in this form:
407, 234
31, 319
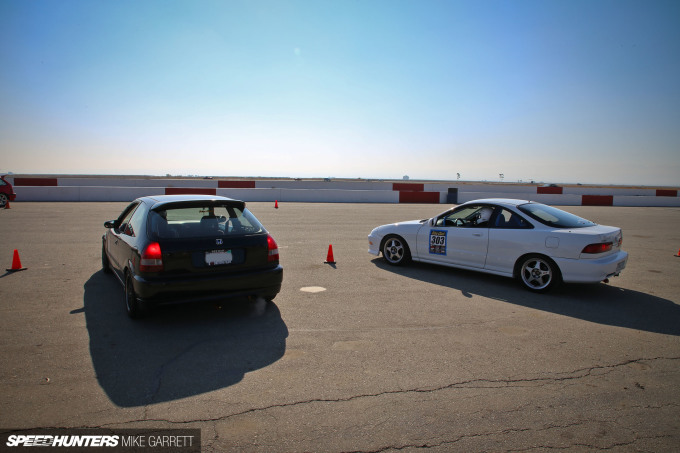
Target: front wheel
3, 200
538, 273
396, 251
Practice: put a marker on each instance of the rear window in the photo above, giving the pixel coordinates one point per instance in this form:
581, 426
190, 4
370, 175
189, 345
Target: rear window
202, 221
554, 217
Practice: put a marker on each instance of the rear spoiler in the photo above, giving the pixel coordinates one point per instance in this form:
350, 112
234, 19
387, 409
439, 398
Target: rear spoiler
204, 202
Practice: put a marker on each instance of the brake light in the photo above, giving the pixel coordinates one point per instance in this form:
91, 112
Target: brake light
272, 250
152, 259
597, 248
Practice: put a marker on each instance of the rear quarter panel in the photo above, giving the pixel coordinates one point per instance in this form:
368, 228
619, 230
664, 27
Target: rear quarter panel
507, 245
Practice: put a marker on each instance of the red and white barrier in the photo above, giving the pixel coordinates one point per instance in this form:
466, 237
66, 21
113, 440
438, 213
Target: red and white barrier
126, 189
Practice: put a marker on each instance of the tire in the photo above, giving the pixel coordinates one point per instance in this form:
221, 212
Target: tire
3, 200
132, 304
106, 264
395, 251
538, 273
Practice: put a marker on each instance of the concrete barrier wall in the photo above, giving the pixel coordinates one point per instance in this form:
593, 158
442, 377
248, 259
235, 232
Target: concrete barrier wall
323, 185
84, 193
646, 201
464, 197
615, 191
495, 188
339, 196
271, 195
99, 194
125, 182
114, 189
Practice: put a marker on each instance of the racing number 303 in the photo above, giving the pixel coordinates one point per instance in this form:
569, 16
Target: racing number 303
438, 242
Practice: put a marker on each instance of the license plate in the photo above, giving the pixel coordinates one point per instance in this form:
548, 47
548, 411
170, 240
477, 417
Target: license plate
217, 257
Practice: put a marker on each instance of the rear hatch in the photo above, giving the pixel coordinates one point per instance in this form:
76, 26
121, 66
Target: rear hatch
209, 237
214, 255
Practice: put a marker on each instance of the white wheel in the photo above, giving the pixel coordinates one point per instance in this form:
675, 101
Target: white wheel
395, 251
538, 273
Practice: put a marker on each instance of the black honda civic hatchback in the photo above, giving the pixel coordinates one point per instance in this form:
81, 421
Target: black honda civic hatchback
170, 249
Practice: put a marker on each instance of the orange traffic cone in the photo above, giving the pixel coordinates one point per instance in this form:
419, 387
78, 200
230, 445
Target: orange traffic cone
7, 205
678, 253
329, 257
16, 263
276, 204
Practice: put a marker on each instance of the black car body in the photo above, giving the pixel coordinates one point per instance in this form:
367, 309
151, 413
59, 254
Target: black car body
184, 248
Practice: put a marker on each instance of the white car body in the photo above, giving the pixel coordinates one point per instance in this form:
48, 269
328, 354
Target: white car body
584, 252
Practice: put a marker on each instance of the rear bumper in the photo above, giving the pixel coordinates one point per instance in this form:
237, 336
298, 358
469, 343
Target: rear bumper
262, 283
592, 271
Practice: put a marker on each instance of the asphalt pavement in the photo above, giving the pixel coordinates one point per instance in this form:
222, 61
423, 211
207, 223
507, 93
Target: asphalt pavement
358, 356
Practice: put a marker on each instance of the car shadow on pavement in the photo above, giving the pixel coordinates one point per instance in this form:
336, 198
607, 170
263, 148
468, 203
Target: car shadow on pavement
178, 351
598, 303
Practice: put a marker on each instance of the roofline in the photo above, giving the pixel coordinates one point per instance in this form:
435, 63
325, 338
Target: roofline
507, 201
157, 201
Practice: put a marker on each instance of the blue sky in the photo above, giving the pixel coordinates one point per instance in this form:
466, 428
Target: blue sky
555, 91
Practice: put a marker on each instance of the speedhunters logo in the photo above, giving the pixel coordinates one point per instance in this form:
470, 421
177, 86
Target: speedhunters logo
37, 440
83, 440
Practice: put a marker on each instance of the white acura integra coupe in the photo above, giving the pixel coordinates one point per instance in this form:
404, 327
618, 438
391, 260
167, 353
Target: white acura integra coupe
539, 245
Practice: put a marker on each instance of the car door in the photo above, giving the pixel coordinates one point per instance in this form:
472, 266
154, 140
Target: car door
458, 237
116, 239
510, 236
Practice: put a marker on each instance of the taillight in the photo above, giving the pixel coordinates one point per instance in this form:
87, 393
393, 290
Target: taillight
597, 248
152, 259
272, 250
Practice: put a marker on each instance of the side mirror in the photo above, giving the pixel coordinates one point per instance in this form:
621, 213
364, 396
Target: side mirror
111, 224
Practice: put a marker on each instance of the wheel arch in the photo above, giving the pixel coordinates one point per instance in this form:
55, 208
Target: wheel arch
394, 235
394, 257
521, 258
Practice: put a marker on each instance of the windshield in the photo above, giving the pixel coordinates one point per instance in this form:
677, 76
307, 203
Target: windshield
554, 217
198, 221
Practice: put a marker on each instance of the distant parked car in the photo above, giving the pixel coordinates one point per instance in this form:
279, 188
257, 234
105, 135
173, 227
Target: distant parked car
6, 192
183, 248
538, 244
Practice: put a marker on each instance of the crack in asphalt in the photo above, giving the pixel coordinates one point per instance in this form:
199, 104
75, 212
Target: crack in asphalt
514, 430
595, 447
442, 443
468, 384
580, 373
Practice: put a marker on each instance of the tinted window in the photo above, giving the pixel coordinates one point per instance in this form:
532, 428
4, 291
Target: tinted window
509, 220
467, 216
136, 223
553, 217
202, 221
124, 226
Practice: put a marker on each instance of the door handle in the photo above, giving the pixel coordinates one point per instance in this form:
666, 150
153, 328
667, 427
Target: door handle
477, 234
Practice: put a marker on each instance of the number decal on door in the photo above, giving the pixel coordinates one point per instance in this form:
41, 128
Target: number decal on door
437, 242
